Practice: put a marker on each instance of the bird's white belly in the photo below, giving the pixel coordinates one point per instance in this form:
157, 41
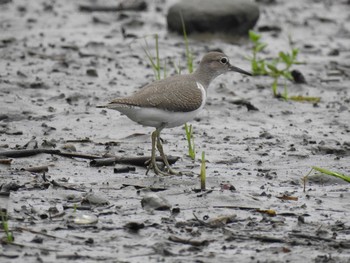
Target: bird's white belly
160, 118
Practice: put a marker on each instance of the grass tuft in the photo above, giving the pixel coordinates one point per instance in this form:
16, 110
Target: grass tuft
155, 62
277, 68
5, 226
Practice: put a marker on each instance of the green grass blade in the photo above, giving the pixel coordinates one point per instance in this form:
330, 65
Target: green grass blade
305, 99
335, 174
254, 37
177, 68
157, 56
274, 87
203, 173
190, 141
155, 63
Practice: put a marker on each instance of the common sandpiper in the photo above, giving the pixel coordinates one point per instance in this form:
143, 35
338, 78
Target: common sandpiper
172, 101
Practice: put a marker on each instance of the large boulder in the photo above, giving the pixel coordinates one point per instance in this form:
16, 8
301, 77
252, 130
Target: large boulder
233, 17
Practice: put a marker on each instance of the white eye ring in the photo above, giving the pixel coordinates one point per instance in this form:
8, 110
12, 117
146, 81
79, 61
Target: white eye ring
224, 60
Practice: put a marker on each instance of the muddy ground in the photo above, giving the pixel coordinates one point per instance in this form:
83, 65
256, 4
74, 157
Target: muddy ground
57, 63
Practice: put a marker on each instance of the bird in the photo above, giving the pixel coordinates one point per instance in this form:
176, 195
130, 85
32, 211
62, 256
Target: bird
172, 101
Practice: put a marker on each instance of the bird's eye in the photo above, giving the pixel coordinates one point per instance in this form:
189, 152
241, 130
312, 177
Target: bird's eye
224, 60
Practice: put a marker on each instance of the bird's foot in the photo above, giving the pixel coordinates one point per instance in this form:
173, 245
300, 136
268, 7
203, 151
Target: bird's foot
157, 170
172, 171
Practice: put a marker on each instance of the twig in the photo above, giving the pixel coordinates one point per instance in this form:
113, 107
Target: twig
34, 247
236, 207
196, 243
137, 161
67, 187
138, 186
78, 155
36, 169
97, 160
22, 229
79, 140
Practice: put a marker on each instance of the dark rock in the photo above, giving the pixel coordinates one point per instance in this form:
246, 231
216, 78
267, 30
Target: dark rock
92, 72
134, 226
298, 77
234, 17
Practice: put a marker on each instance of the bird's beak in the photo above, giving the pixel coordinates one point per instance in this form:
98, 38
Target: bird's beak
233, 68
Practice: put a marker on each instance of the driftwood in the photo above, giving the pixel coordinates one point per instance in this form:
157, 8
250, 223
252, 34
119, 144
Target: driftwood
27, 153
97, 160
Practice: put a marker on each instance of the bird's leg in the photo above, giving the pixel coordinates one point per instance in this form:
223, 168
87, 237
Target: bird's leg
162, 154
153, 165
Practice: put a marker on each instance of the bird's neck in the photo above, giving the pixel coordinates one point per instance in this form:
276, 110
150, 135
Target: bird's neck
204, 76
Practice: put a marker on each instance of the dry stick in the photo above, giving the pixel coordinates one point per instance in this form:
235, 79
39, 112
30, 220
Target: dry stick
27, 153
36, 169
97, 160
137, 161
67, 187
32, 247
189, 241
23, 229
79, 140
268, 239
236, 207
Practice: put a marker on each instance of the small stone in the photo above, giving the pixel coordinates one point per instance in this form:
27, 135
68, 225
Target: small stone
84, 219
95, 199
155, 202
69, 147
298, 77
92, 72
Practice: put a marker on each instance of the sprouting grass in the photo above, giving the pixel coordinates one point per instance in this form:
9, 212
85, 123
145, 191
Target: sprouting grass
276, 71
155, 62
277, 68
190, 141
177, 68
331, 173
203, 173
258, 65
5, 226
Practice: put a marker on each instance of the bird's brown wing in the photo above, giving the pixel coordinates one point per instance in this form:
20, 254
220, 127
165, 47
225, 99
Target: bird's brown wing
176, 93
